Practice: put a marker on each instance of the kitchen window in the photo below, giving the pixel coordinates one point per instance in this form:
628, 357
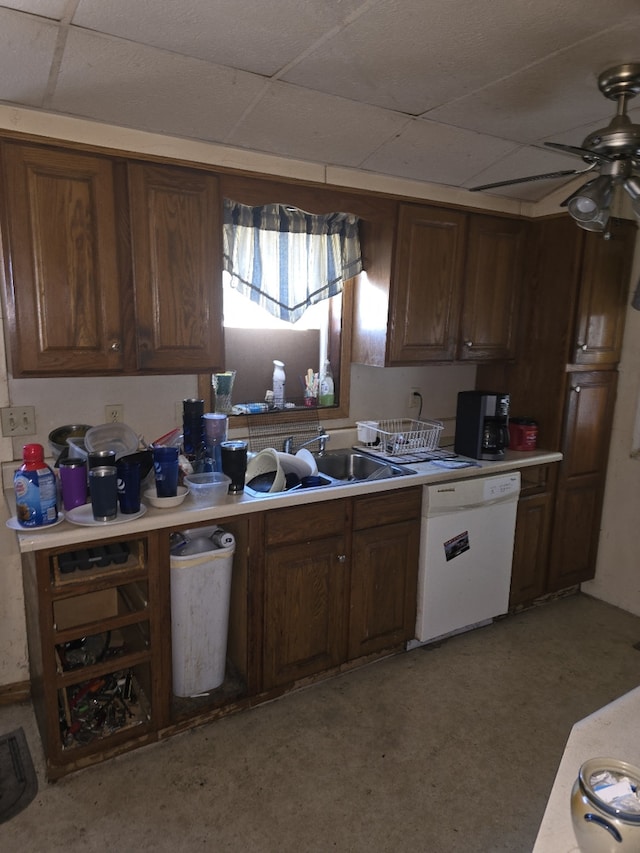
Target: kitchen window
283, 290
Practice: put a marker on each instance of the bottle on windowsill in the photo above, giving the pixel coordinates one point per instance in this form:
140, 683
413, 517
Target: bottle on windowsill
327, 391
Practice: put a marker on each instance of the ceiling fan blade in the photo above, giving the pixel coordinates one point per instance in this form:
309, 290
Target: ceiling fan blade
579, 152
546, 176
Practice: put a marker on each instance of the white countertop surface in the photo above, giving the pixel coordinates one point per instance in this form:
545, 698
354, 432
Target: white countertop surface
612, 732
188, 514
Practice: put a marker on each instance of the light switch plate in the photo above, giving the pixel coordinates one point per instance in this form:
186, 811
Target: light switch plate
18, 420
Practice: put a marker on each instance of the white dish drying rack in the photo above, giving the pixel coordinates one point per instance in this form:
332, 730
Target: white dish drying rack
403, 440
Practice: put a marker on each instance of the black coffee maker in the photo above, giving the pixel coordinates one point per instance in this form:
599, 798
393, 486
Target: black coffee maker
482, 424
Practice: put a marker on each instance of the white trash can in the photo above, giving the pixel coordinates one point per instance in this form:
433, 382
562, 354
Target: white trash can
200, 595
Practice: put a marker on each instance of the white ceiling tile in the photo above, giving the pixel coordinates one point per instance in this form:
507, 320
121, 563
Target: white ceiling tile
53, 9
433, 152
20, 35
411, 56
559, 93
331, 130
123, 83
256, 36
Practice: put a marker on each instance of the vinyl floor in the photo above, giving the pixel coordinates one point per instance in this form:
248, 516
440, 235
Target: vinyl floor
446, 748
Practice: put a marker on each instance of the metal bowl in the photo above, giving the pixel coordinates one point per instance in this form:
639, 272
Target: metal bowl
58, 436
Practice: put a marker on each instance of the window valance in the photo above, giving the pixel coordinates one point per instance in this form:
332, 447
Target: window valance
285, 259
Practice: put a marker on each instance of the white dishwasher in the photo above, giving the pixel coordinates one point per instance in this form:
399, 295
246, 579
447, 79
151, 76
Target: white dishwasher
466, 552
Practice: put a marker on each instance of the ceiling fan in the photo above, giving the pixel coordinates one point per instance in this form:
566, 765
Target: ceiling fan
613, 152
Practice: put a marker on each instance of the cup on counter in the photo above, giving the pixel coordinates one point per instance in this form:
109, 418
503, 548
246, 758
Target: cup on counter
233, 455
368, 431
165, 466
128, 486
103, 488
215, 432
98, 458
73, 482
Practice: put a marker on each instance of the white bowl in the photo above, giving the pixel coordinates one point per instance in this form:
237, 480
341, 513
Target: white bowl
151, 496
208, 488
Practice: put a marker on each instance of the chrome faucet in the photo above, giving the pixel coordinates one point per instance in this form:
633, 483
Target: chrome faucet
322, 438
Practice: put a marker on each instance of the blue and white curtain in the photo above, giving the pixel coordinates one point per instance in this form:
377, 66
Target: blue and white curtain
284, 259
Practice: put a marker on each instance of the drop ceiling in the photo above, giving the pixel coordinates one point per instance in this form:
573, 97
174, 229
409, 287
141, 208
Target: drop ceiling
450, 92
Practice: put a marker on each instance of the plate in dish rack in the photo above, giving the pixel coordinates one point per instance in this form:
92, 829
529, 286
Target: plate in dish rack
83, 515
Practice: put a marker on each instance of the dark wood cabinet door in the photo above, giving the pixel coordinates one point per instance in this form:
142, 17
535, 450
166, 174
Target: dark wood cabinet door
428, 268
531, 549
305, 602
604, 286
176, 229
61, 262
383, 587
492, 281
576, 523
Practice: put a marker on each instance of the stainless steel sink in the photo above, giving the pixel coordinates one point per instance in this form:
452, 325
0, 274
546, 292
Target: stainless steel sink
351, 466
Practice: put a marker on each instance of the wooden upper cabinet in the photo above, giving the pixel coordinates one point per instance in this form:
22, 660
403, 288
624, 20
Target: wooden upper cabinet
176, 230
428, 271
457, 278
492, 283
61, 262
606, 269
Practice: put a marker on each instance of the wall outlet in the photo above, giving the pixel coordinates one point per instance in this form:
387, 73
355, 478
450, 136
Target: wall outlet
18, 420
414, 398
114, 413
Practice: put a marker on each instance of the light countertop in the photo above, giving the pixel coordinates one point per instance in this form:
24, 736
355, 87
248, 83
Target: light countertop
188, 514
612, 732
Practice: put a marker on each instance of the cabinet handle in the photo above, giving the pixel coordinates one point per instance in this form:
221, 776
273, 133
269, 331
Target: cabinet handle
468, 344
583, 347
342, 558
115, 346
577, 389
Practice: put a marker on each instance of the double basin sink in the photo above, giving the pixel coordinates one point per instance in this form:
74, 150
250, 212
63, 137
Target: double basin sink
339, 467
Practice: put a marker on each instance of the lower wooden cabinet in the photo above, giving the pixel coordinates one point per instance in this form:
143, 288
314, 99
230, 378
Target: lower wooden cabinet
533, 531
384, 572
329, 599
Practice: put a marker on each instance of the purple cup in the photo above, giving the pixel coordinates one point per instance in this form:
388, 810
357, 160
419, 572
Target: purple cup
165, 466
73, 482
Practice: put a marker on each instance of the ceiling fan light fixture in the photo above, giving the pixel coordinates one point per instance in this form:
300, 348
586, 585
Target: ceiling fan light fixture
587, 203
598, 223
632, 186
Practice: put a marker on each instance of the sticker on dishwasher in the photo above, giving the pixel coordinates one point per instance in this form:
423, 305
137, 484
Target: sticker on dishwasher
456, 546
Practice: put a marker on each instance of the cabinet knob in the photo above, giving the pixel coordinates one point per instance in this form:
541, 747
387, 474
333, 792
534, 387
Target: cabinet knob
342, 558
115, 346
468, 344
584, 347
577, 389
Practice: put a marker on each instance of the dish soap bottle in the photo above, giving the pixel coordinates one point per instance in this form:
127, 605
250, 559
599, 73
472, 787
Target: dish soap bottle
278, 384
327, 393
35, 489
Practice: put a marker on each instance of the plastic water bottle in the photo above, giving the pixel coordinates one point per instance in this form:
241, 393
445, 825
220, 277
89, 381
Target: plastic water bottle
278, 384
327, 392
35, 488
